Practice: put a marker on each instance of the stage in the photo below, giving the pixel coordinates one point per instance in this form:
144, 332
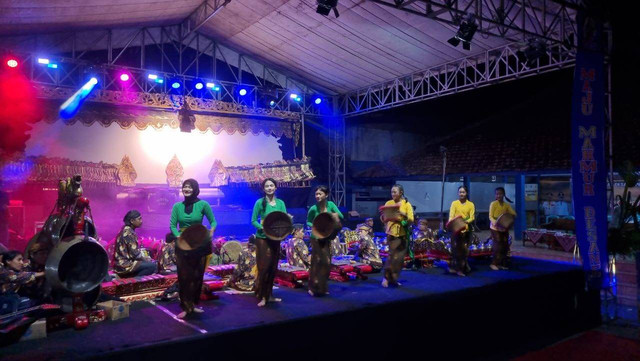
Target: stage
534, 303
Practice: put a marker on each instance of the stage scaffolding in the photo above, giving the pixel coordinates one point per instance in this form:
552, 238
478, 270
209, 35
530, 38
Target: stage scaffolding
185, 54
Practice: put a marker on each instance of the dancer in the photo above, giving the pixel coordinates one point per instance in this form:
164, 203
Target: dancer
297, 251
192, 210
267, 250
129, 261
500, 235
398, 233
193, 252
321, 248
464, 208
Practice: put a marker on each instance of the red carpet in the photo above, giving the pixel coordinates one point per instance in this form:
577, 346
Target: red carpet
591, 345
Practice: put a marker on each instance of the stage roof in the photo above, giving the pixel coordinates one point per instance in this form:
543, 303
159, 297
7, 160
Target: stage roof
367, 44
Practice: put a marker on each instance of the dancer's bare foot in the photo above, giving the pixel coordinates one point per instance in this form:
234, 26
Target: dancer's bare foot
503, 267
182, 315
494, 267
451, 270
262, 302
198, 310
311, 293
461, 274
276, 299
385, 283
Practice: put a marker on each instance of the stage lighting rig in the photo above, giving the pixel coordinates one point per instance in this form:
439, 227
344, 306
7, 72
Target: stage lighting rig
535, 49
465, 32
325, 6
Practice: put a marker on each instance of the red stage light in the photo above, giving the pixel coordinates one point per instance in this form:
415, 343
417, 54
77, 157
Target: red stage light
12, 63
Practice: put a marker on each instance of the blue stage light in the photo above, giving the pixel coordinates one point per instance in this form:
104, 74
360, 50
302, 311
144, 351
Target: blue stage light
272, 103
211, 85
43, 61
199, 85
243, 92
175, 85
293, 96
318, 100
71, 106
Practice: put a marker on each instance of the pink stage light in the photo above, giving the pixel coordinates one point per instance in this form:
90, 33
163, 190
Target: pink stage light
124, 77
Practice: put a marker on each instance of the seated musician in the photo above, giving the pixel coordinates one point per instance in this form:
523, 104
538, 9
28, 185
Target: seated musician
297, 251
129, 260
369, 222
37, 255
336, 247
167, 259
244, 276
367, 252
423, 230
12, 278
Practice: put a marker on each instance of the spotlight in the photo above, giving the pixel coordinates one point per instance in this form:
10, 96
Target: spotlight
325, 6
243, 92
293, 96
211, 85
535, 49
199, 85
52, 66
12, 63
465, 33
43, 61
155, 78
175, 85
216, 88
318, 100
272, 103
124, 77
298, 99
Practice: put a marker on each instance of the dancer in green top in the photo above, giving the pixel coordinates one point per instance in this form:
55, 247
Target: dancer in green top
192, 210
267, 250
191, 264
320, 249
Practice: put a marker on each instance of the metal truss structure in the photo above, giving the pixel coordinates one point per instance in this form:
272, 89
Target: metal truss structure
514, 20
172, 53
490, 67
337, 159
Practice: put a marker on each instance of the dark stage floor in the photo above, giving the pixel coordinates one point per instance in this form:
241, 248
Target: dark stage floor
430, 314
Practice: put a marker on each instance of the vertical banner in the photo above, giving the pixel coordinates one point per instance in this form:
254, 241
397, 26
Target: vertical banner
588, 167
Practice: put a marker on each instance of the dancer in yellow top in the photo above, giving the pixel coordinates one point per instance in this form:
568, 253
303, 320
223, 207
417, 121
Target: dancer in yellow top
500, 236
397, 233
460, 241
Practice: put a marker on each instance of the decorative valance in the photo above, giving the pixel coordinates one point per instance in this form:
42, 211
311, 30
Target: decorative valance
294, 173
142, 110
51, 170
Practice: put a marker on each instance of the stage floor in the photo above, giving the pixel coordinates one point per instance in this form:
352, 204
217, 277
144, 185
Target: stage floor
427, 306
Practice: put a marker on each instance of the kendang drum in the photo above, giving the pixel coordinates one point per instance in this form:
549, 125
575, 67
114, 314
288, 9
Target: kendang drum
456, 225
505, 221
390, 213
277, 225
325, 226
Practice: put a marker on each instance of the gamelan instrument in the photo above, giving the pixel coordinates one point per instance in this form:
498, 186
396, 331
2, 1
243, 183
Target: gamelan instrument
325, 226
456, 225
277, 225
505, 221
390, 213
